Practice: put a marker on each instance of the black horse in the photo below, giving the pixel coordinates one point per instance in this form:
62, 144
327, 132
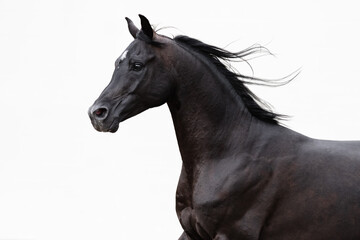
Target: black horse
244, 176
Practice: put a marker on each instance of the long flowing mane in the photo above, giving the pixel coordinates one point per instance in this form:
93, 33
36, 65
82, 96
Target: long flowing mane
257, 107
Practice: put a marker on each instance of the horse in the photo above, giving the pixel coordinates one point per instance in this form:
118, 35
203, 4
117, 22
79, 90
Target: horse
244, 175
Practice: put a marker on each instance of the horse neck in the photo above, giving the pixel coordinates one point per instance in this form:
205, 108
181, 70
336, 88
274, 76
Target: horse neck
210, 119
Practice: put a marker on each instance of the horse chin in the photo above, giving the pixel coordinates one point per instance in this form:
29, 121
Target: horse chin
103, 128
114, 128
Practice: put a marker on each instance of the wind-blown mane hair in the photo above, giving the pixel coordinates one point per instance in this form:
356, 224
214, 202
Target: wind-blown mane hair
218, 56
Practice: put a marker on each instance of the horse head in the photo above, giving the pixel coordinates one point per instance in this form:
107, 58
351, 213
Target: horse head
141, 80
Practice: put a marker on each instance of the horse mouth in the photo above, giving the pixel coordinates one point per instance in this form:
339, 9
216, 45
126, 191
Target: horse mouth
114, 127
107, 117
101, 127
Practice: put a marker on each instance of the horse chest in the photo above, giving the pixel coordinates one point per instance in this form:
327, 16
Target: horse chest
197, 207
217, 202
201, 221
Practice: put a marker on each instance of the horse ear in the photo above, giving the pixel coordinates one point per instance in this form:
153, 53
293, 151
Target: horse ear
146, 27
132, 28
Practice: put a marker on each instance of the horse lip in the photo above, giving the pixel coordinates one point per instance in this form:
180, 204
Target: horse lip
114, 126
100, 126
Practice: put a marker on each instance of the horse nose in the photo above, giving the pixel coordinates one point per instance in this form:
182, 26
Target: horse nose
98, 112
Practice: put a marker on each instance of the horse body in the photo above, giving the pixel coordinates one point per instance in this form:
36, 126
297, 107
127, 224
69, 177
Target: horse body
238, 183
250, 188
242, 177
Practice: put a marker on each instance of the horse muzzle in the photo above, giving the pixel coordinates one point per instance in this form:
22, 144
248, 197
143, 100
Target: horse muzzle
100, 119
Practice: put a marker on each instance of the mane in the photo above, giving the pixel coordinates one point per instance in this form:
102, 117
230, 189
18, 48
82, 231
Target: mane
219, 57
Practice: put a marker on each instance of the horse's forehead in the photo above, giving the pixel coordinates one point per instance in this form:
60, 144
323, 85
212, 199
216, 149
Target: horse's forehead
138, 47
123, 55
130, 50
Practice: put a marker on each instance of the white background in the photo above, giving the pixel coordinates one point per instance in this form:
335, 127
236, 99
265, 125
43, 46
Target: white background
60, 179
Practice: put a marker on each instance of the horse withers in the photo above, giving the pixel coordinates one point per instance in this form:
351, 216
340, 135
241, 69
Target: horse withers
244, 176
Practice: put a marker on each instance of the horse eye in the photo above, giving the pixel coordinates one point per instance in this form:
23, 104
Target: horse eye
137, 66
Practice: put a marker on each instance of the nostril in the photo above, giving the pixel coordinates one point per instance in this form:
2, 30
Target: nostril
100, 112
